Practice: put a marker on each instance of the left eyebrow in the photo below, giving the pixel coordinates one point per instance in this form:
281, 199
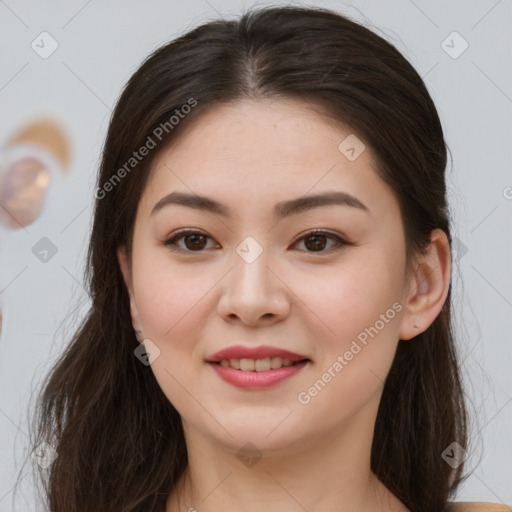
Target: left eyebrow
281, 210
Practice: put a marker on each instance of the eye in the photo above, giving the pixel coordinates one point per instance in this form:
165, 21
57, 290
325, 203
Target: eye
316, 241
194, 241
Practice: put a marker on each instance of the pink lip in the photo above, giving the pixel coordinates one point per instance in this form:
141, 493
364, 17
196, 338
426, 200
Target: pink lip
261, 352
256, 380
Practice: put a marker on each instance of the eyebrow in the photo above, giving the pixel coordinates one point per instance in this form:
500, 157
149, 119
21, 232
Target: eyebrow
281, 210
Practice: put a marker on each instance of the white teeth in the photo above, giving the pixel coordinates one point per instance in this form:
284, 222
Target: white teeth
259, 365
247, 365
276, 362
262, 365
235, 363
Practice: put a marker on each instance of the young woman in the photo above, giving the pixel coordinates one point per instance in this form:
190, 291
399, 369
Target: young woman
269, 268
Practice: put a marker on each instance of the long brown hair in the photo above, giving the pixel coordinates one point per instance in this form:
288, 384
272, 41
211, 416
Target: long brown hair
119, 441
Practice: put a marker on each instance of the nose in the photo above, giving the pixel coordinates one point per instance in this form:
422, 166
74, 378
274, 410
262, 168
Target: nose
254, 293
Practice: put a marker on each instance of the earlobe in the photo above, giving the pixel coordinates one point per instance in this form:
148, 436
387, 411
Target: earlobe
124, 265
428, 288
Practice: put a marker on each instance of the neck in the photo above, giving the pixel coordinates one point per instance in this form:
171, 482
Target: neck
331, 473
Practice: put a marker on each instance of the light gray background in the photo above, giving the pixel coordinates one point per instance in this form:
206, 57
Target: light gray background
100, 46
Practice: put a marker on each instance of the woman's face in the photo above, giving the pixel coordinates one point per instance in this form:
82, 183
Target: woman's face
254, 275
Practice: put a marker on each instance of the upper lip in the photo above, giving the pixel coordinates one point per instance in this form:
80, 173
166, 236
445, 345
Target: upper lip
261, 352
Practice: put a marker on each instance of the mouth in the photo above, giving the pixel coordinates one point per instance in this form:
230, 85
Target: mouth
256, 359
256, 367
258, 378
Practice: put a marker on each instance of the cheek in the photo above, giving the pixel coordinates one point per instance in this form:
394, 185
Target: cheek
351, 296
356, 328
171, 299
169, 307
173, 306
356, 322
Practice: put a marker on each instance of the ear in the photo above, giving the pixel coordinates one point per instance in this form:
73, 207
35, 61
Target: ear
125, 266
428, 286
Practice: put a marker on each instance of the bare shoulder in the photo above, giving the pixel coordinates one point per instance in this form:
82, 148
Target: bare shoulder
476, 506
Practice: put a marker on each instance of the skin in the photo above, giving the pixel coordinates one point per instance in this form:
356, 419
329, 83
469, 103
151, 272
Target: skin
251, 155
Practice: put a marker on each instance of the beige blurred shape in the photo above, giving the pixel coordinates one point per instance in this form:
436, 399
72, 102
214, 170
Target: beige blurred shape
48, 134
23, 184
22, 192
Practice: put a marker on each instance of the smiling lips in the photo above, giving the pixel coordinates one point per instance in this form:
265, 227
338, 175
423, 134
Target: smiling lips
256, 368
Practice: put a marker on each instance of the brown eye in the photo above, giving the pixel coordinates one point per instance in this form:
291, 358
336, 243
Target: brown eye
316, 241
194, 241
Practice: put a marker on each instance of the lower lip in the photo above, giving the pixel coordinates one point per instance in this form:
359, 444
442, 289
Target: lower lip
256, 380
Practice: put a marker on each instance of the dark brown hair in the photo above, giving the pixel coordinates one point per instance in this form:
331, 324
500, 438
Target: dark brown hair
119, 440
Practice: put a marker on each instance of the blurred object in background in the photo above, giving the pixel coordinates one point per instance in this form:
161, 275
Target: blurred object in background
29, 162
25, 175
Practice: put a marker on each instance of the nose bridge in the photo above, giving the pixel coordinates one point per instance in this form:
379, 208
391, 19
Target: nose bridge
251, 262
252, 290
251, 274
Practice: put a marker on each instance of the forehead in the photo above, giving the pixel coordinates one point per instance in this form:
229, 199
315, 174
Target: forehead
259, 151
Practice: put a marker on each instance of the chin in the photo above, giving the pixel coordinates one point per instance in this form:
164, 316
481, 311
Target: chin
268, 437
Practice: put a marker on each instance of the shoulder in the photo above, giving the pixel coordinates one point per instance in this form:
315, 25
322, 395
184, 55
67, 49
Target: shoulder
476, 506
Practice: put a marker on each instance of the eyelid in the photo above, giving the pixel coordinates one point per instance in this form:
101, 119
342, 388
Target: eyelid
340, 240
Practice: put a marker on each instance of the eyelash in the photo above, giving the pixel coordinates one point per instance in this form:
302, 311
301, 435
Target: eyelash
171, 242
